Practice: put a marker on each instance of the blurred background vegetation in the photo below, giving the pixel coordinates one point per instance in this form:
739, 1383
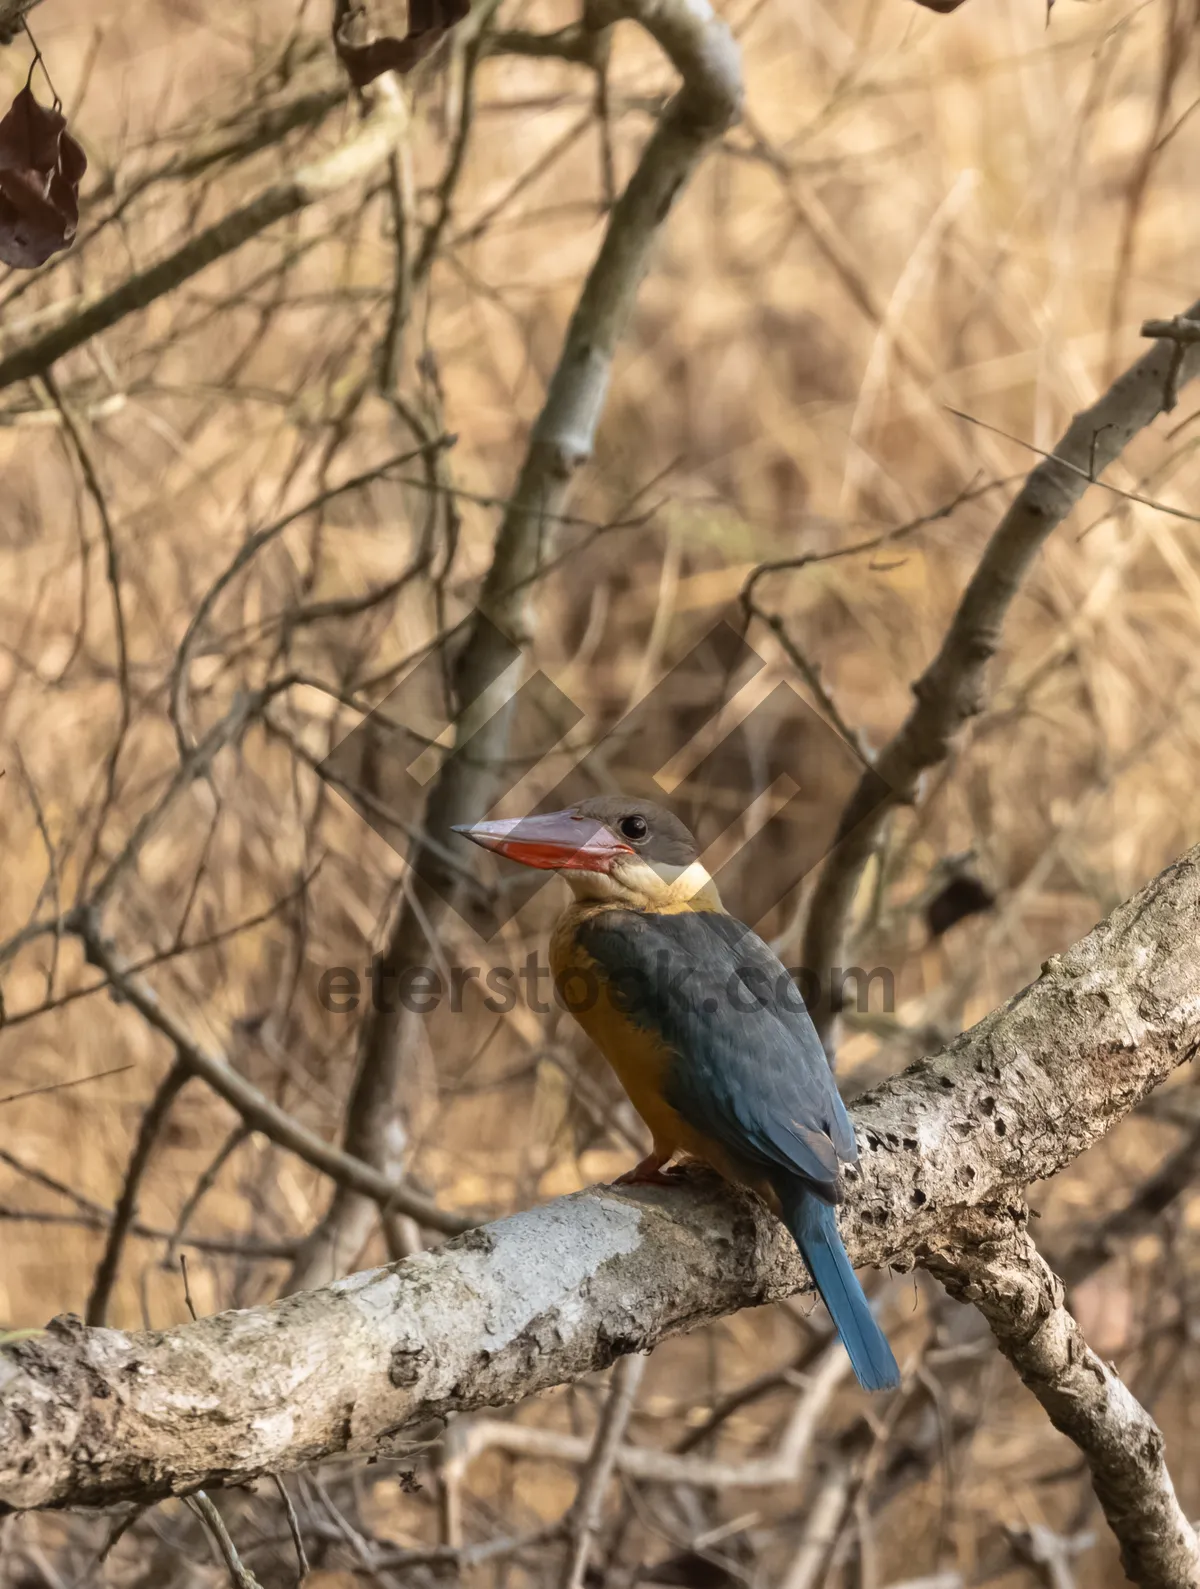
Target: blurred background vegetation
918, 214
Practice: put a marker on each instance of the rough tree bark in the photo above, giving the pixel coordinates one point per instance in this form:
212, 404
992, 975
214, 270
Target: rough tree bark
991, 1261
96, 1416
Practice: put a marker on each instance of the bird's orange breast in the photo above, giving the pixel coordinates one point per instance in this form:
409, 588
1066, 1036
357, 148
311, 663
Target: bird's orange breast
634, 1049
637, 1053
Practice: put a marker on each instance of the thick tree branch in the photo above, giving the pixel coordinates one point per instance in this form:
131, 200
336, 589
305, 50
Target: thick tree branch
951, 690
94, 1416
992, 1262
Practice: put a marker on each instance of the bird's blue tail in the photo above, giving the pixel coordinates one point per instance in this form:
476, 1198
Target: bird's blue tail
814, 1226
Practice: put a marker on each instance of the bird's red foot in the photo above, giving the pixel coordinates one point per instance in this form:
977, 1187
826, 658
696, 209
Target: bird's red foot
649, 1172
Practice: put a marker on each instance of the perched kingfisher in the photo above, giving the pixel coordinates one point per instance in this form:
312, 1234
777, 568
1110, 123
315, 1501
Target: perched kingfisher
704, 1027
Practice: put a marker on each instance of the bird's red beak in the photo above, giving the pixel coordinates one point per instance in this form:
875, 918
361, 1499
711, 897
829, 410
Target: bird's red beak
559, 841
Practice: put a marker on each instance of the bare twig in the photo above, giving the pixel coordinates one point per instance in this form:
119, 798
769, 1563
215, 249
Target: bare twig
246, 553
1092, 472
936, 1580
224, 1246
585, 1512
258, 1112
1181, 328
821, 1529
575, 42
112, 568
1052, 1554
153, 1120
302, 1567
62, 1086
187, 1287
357, 157
243, 710
1178, 22
1174, 1177
240, 1575
472, 53
1184, 333
465, 1441
207, 1180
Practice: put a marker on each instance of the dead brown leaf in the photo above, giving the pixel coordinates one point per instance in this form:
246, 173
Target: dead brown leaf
428, 23
41, 167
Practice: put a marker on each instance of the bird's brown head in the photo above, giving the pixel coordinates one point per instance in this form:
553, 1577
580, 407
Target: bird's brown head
609, 847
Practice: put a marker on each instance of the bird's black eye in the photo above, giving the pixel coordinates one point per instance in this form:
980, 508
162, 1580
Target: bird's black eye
633, 827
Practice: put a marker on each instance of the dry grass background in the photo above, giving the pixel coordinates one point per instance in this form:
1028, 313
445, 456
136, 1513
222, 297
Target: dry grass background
918, 213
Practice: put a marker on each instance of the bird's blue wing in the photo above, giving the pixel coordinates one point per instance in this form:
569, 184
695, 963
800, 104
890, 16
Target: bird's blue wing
749, 1070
